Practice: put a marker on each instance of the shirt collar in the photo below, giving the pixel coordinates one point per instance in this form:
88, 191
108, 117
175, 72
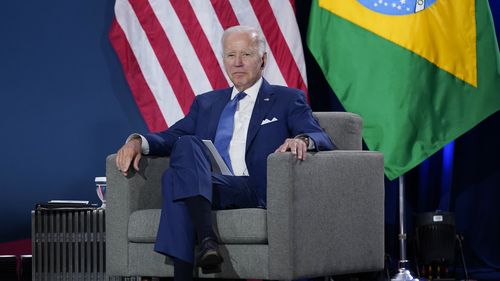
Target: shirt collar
251, 92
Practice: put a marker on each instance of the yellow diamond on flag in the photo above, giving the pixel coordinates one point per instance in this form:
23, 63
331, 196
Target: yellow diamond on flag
444, 33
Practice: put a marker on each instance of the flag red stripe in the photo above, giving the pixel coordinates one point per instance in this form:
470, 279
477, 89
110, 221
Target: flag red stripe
277, 43
165, 53
200, 43
140, 90
225, 13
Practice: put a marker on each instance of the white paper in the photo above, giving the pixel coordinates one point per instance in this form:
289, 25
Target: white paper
218, 163
100, 179
82, 202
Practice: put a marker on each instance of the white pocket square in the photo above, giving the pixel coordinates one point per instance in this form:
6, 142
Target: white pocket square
267, 121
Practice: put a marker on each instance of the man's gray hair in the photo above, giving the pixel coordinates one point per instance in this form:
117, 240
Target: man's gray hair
261, 41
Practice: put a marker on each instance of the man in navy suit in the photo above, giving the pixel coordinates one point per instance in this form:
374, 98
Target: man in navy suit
246, 122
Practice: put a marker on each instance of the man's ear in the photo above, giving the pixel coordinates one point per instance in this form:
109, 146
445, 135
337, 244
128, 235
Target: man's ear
264, 60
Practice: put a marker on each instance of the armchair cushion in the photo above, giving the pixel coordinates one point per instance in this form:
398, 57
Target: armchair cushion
239, 226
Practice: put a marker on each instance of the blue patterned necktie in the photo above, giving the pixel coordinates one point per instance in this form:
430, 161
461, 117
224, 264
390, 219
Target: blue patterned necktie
225, 128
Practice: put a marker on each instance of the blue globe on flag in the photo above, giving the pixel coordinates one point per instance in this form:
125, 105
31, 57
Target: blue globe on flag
397, 7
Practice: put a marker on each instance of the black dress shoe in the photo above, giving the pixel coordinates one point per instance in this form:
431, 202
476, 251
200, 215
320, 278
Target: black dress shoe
209, 258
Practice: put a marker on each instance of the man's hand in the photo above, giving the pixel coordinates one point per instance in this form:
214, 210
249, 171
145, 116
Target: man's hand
129, 152
297, 146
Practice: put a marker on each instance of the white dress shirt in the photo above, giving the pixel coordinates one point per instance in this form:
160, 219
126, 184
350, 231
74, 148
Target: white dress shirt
237, 146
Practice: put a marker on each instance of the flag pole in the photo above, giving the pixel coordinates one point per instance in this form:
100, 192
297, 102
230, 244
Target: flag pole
403, 273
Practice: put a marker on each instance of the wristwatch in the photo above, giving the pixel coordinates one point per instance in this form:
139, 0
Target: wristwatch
305, 139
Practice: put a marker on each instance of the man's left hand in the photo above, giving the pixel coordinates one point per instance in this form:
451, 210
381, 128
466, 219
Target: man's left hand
297, 146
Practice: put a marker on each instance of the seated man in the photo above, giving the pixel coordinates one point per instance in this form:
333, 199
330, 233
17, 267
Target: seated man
246, 122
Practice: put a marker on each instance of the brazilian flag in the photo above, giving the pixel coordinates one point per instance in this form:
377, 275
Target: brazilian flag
420, 72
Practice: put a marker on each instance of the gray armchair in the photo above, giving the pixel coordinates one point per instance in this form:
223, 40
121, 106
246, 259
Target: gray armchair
325, 215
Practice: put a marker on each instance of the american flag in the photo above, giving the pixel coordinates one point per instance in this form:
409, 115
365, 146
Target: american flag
170, 50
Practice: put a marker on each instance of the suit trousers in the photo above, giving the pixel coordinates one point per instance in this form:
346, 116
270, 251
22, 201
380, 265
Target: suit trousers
190, 174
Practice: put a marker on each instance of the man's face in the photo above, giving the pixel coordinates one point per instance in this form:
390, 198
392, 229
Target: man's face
241, 59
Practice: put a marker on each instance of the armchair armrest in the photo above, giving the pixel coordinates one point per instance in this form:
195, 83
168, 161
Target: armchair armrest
125, 195
325, 212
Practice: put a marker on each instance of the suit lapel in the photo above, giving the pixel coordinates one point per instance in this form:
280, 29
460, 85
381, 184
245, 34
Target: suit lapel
263, 104
216, 110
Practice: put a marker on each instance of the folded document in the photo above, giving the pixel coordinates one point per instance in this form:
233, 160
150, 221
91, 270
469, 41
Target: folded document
66, 204
218, 164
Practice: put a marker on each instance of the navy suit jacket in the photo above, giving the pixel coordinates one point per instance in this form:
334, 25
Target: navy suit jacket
287, 105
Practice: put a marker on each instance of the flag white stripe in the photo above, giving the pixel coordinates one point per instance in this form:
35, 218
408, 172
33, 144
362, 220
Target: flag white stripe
148, 63
181, 45
283, 12
212, 28
246, 16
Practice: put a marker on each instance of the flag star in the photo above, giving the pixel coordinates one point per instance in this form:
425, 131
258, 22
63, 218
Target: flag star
394, 5
380, 1
402, 1
385, 3
375, 4
399, 7
408, 9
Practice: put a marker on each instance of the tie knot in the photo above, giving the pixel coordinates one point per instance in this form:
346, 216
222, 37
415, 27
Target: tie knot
239, 96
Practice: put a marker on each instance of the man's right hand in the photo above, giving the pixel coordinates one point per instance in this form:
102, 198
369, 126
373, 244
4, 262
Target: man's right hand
130, 152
